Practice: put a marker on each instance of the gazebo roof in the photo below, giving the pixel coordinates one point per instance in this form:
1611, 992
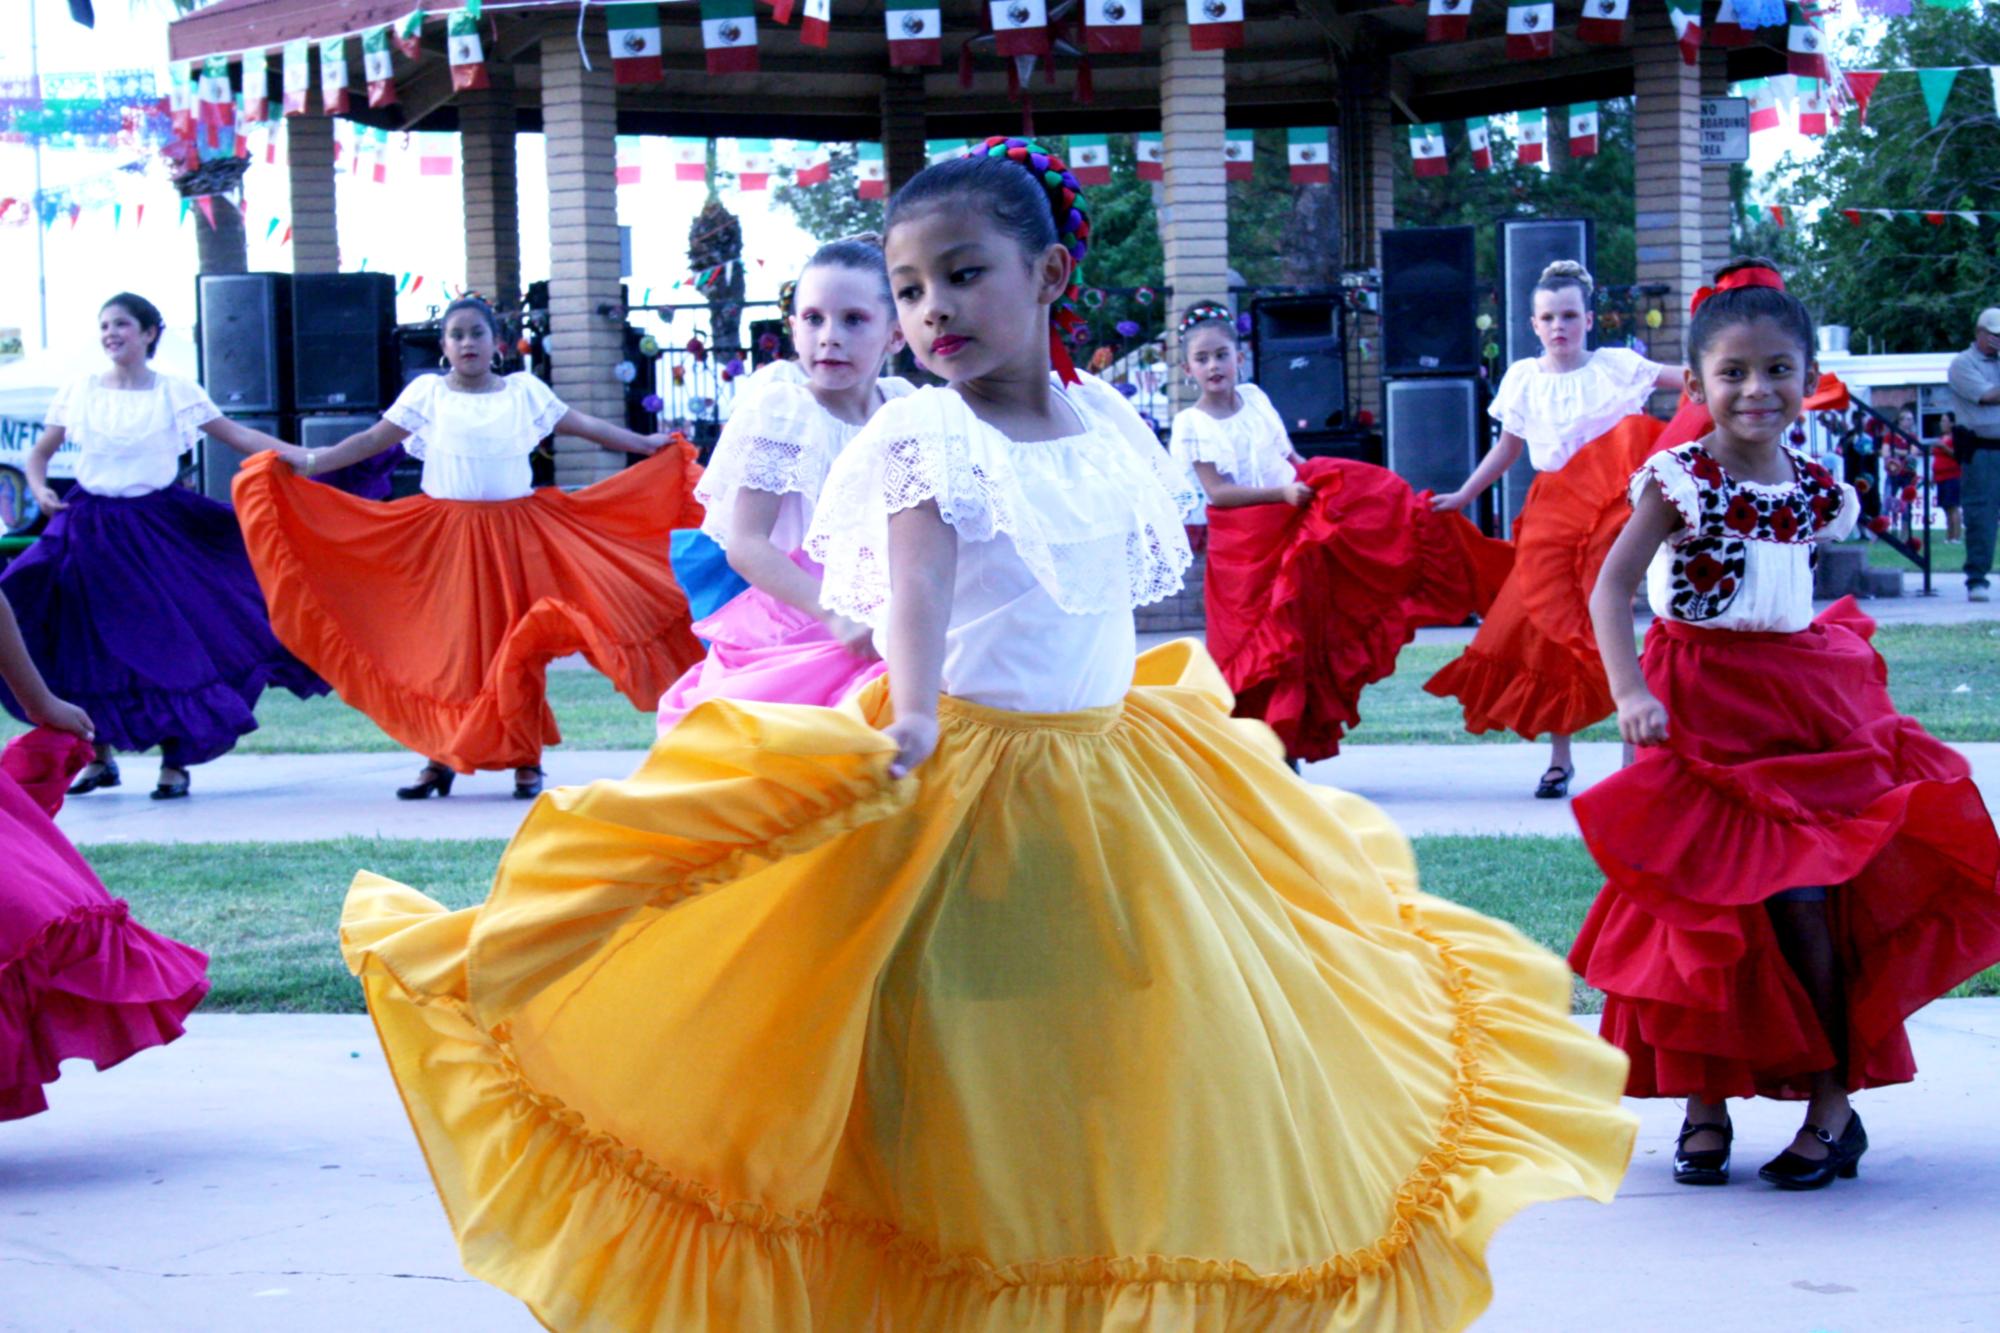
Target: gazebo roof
1288, 73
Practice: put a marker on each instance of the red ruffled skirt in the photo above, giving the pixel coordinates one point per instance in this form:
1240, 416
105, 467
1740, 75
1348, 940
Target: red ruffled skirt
1786, 766
1308, 606
79, 979
1533, 667
437, 618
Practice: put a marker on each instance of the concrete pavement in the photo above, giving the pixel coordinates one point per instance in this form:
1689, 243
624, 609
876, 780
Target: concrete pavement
260, 1174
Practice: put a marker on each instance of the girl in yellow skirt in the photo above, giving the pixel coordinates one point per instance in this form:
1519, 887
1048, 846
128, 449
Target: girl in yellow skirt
1014, 993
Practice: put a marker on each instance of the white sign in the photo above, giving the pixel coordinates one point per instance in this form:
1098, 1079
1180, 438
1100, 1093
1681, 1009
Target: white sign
1725, 129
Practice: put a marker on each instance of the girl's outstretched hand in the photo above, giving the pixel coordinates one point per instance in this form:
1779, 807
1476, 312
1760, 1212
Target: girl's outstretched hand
1642, 719
1450, 502
1298, 494
852, 635
915, 738
62, 715
654, 443
48, 501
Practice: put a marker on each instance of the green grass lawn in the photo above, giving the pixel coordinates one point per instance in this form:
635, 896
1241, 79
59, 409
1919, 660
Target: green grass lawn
1927, 665
267, 914
1946, 557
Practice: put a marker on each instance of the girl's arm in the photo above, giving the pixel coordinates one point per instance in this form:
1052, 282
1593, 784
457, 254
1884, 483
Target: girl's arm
601, 432
1641, 719
1671, 378
247, 441
38, 469
1498, 459
363, 444
30, 690
923, 565
753, 554
1226, 494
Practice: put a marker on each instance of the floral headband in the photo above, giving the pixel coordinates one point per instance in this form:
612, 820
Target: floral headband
1065, 197
1204, 312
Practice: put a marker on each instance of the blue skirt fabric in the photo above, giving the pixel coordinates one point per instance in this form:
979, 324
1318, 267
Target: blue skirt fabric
145, 613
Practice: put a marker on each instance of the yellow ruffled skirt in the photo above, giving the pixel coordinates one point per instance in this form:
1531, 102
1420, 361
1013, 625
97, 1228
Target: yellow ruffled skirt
1101, 1020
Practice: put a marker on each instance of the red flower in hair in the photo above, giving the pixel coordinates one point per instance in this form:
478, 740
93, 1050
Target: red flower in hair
1784, 523
1706, 470
1741, 515
1704, 572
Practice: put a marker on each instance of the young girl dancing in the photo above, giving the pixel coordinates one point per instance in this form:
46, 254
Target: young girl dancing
79, 979
1792, 867
437, 614
137, 601
1319, 570
1532, 668
777, 641
1055, 1003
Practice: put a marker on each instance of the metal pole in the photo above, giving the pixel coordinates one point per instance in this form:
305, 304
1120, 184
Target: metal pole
41, 257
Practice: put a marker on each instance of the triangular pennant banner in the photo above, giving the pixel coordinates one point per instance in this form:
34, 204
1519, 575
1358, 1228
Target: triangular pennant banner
1936, 84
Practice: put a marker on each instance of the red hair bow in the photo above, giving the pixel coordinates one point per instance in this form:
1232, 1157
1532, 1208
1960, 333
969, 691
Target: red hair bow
1742, 277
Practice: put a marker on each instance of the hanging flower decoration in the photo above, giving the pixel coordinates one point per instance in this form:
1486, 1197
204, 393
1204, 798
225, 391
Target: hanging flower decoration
524, 345
768, 344
1483, 323
698, 349
1490, 350
1878, 524
649, 346
1145, 296
1129, 389
1243, 324
734, 368
1101, 359
625, 371
1654, 319
1093, 297
1798, 434
680, 374
1127, 328
652, 402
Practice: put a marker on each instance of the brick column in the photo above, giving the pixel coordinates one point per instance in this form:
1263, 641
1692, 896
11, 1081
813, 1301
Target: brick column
1368, 176
1715, 211
580, 121
309, 164
491, 190
1194, 212
1667, 187
902, 126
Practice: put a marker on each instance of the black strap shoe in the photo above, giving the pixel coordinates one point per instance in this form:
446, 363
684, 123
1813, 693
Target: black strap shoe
530, 788
172, 788
96, 776
435, 780
1555, 782
1789, 1171
1709, 1166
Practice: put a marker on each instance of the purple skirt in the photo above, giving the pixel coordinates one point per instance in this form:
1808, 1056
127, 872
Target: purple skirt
145, 613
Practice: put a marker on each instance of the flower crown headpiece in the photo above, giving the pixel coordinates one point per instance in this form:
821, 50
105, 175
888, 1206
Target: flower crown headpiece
1204, 312
1065, 197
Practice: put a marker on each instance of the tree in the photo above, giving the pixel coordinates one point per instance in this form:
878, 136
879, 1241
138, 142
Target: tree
715, 239
1905, 284
830, 211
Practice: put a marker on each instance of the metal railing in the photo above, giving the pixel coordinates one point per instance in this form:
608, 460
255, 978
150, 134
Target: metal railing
1911, 541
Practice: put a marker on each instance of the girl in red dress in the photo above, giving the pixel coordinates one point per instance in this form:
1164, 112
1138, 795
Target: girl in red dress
1319, 570
1792, 867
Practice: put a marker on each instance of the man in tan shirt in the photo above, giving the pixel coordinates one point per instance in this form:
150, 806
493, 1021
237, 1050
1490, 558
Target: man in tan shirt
1974, 378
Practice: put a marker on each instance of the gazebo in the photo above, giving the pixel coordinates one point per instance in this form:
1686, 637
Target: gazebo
1362, 67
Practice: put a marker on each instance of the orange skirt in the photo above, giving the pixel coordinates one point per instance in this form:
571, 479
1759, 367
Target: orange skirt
437, 618
1533, 667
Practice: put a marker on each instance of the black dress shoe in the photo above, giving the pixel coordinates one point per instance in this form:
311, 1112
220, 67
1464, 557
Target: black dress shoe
1709, 1166
1789, 1171
105, 775
171, 789
531, 788
433, 781
1555, 782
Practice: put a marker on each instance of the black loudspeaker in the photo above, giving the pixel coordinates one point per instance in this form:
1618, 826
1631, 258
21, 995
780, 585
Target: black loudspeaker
1434, 430
1300, 364
243, 327
344, 354
1361, 446
1526, 247
1429, 302
419, 349
323, 432
219, 462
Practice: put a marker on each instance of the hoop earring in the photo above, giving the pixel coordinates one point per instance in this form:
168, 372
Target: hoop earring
497, 361
444, 361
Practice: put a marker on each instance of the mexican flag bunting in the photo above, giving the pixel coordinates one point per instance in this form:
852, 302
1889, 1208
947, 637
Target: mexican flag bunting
256, 86
1994, 71
298, 76
180, 99
1533, 127
1152, 161
378, 141
916, 33
1935, 219
753, 164
1936, 84
871, 174
942, 150
1427, 150
1604, 21
215, 100
1583, 129
816, 26
729, 33
1686, 15
1090, 158
1729, 29
1777, 212
818, 166
378, 66
408, 34
333, 77
1853, 215
1763, 105
690, 159
466, 52
1020, 27
432, 162
1448, 20
1479, 137
1805, 53
1239, 154
1861, 86
1215, 25
1307, 154
1812, 107
626, 147
634, 31
1112, 26
1531, 29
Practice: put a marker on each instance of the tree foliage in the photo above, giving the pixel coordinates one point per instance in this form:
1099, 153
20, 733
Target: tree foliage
830, 211
1904, 284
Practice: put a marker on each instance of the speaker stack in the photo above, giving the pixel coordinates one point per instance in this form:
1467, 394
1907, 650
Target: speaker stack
1525, 247
1301, 366
1432, 396
295, 356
